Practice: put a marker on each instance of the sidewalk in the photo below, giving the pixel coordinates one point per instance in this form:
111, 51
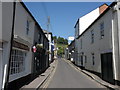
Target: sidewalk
96, 78
36, 83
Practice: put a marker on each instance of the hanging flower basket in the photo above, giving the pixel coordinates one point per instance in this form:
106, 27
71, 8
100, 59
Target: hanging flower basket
39, 48
48, 52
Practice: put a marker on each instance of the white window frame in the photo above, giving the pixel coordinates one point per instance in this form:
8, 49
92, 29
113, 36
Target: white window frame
18, 65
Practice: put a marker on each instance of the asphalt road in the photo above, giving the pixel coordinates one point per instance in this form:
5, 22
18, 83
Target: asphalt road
67, 76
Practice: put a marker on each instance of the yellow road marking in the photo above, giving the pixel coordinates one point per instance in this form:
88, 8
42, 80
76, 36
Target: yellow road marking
50, 78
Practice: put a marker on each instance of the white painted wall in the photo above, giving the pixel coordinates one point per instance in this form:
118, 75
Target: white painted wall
87, 19
83, 23
0, 43
100, 45
7, 10
0, 21
50, 43
20, 30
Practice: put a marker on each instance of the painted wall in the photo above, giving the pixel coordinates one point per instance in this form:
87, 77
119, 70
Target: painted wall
0, 21
20, 30
6, 35
0, 45
99, 46
50, 41
87, 19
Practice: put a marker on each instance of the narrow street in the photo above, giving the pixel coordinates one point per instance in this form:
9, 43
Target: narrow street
67, 76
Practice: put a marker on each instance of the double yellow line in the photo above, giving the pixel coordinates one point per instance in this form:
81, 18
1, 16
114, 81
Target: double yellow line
50, 77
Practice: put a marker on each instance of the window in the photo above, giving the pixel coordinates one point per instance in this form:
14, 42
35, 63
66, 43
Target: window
101, 30
81, 43
27, 27
93, 57
39, 37
92, 36
17, 64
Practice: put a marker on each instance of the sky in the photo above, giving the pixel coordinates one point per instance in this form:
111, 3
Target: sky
63, 15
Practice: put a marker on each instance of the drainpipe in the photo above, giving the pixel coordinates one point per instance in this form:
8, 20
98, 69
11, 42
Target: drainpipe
118, 23
115, 40
11, 44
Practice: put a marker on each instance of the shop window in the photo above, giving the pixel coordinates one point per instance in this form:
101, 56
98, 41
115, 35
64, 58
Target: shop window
17, 63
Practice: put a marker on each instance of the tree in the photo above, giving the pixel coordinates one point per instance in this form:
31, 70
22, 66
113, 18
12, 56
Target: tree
66, 42
55, 39
61, 40
61, 44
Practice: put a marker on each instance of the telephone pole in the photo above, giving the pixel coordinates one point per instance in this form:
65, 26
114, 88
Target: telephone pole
48, 24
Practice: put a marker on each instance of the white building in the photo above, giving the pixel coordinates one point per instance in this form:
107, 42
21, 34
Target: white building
85, 21
98, 47
50, 38
21, 55
5, 37
23, 41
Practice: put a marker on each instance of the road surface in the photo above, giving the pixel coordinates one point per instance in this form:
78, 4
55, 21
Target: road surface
66, 76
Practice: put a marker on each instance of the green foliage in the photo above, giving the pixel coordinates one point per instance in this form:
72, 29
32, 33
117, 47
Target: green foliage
61, 44
60, 40
61, 48
55, 39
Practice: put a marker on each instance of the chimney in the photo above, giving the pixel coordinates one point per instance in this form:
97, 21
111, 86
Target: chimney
102, 8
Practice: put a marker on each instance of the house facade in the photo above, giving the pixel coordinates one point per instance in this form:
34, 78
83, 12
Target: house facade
21, 57
83, 23
71, 49
98, 46
5, 37
26, 33
50, 38
39, 65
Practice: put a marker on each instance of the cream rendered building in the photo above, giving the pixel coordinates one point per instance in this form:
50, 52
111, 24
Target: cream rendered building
98, 47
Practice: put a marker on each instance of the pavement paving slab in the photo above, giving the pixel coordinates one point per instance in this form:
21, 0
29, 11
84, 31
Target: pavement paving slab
37, 82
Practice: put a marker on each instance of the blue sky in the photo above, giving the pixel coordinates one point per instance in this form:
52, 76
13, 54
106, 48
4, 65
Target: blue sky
63, 15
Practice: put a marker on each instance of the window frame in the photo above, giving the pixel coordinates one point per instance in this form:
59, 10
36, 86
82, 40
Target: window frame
92, 36
81, 43
17, 64
27, 27
102, 29
93, 59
